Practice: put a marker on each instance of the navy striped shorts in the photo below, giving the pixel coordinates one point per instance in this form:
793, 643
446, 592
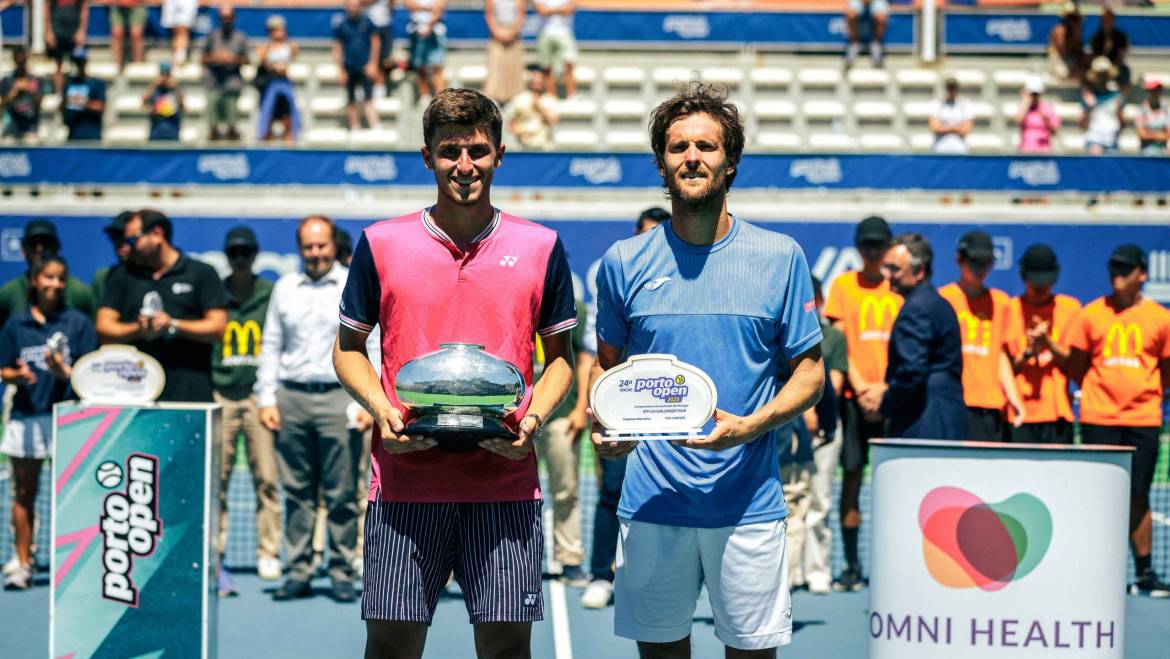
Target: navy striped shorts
495, 550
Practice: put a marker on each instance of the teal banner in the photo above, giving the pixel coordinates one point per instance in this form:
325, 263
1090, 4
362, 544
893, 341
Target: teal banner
133, 571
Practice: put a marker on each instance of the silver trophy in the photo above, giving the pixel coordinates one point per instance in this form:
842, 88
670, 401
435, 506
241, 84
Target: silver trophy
459, 394
58, 343
151, 304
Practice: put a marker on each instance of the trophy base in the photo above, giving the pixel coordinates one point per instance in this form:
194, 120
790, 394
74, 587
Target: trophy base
458, 432
628, 436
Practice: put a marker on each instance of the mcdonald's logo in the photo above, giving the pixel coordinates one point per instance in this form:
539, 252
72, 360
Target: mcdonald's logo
877, 314
1120, 339
240, 340
976, 331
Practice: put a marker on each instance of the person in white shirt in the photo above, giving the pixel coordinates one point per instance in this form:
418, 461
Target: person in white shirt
556, 47
533, 113
300, 398
951, 120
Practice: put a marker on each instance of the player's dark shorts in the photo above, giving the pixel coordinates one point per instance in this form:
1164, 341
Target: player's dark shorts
354, 79
1144, 439
858, 432
62, 49
494, 549
985, 424
1050, 432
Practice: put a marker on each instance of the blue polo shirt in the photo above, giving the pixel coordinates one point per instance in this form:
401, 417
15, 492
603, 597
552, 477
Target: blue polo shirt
24, 339
355, 39
738, 309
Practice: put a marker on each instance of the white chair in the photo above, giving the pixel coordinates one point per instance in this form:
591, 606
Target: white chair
374, 137
921, 141
823, 109
299, 72
125, 134
873, 110
327, 105
388, 106
724, 75
1012, 79
670, 76
818, 78
778, 140
326, 136
986, 142
106, 71
627, 138
576, 109
885, 142
327, 73
626, 109
868, 78
778, 109
831, 141
770, 77
140, 72
472, 75
623, 76
574, 139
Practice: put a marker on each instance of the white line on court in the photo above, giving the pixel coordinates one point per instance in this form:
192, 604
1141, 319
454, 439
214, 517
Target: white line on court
562, 637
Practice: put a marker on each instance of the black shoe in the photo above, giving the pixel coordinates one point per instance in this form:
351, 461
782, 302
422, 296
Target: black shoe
343, 592
573, 575
849, 581
1149, 585
291, 590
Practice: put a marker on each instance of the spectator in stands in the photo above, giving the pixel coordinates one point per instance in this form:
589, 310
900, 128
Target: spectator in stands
84, 101
612, 472
1066, 51
1036, 117
988, 328
1103, 105
20, 98
862, 14
533, 113
1153, 121
127, 17
224, 53
164, 99
39, 368
300, 397
1108, 41
355, 49
344, 243
66, 23
1120, 357
193, 314
505, 51
1039, 355
234, 362
277, 93
381, 14
951, 119
39, 242
428, 45
114, 231
556, 44
178, 16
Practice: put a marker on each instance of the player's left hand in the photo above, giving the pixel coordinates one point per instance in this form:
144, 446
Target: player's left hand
730, 430
516, 449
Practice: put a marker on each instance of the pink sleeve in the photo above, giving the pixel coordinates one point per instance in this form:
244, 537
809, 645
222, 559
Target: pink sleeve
1051, 112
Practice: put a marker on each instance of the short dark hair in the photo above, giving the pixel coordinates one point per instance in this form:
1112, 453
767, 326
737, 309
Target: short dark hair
697, 98
321, 218
921, 255
462, 107
344, 243
152, 218
654, 214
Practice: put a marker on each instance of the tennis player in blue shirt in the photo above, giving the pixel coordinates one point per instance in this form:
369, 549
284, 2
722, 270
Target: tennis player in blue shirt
736, 301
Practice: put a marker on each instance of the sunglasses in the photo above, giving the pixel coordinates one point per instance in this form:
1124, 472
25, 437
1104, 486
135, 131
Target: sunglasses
131, 241
240, 253
1123, 269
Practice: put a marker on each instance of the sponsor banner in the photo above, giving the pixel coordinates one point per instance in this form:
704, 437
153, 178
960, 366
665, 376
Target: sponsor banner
133, 571
1009, 173
781, 29
828, 246
982, 550
1020, 32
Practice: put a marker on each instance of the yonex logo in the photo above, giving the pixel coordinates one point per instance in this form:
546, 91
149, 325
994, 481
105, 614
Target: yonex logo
508, 261
655, 284
530, 599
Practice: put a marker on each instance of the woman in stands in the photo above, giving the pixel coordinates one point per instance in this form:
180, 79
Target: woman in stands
37, 350
277, 96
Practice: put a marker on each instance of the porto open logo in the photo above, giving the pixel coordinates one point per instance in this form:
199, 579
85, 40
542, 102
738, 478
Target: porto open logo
967, 543
109, 474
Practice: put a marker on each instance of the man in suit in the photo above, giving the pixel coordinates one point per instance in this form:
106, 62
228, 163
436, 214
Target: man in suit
923, 393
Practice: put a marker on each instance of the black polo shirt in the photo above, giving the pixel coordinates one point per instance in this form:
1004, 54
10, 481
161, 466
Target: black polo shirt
188, 290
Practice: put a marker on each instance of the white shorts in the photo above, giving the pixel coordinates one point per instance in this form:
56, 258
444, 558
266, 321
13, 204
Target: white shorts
178, 13
661, 569
28, 437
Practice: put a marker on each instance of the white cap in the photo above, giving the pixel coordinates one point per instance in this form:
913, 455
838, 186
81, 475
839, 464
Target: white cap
1034, 85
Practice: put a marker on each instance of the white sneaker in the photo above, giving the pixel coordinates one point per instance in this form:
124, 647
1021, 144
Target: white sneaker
819, 585
597, 594
19, 579
359, 567
269, 569
12, 565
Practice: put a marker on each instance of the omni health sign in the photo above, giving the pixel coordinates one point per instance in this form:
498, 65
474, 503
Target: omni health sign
984, 550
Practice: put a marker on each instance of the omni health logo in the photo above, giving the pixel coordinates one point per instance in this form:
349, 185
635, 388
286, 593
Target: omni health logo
967, 543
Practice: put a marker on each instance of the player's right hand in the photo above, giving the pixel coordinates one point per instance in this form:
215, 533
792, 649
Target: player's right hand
390, 428
270, 418
608, 449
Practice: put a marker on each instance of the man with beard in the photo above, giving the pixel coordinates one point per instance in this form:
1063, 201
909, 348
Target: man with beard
193, 314
922, 396
459, 271
737, 302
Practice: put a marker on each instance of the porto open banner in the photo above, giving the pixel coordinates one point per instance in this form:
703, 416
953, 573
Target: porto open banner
132, 567
986, 550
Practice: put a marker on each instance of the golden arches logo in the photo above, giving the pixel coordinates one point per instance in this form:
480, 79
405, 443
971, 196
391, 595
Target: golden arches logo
241, 337
976, 331
1119, 339
879, 310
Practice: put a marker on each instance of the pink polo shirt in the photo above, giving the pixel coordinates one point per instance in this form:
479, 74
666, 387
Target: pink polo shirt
1035, 136
409, 278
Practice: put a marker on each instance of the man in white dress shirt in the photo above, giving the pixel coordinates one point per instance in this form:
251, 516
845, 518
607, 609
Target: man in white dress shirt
300, 398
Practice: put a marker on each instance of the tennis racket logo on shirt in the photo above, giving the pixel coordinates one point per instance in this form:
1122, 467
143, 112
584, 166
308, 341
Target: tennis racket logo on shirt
1123, 345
